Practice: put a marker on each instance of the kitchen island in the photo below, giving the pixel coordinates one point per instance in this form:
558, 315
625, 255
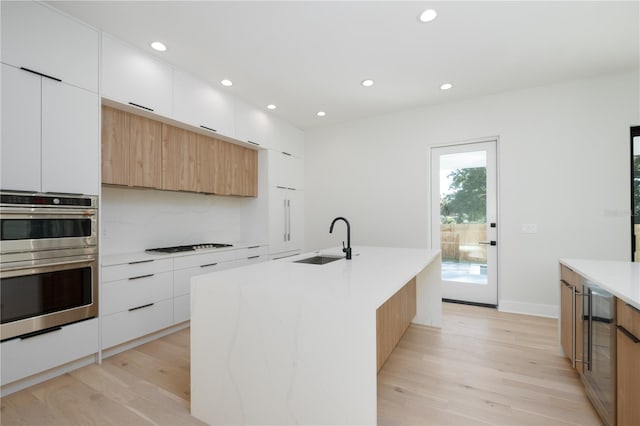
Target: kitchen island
282, 342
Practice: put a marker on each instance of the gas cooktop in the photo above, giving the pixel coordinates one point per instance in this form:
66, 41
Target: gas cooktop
191, 247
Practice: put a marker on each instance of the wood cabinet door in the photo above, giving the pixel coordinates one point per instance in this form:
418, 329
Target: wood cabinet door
628, 380
566, 327
115, 146
145, 151
179, 155
207, 151
243, 171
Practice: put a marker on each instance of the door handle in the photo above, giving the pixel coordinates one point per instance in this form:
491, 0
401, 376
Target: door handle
488, 243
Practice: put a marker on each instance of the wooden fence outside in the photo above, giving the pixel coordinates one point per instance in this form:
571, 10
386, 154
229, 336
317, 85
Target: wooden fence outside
459, 241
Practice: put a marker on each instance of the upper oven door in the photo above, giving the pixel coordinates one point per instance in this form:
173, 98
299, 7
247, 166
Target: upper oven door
35, 229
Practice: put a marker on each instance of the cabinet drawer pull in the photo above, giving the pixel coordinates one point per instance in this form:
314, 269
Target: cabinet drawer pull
253, 247
140, 261
41, 74
628, 334
252, 257
254, 143
286, 153
141, 307
281, 187
565, 283
209, 129
40, 332
141, 106
141, 276
208, 264
291, 189
632, 307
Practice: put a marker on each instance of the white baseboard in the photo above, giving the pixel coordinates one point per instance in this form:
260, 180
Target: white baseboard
536, 309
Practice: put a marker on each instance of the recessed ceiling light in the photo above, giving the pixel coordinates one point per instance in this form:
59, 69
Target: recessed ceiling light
428, 15
321, 113
271, 106
446, 86
226, 82
367, 83
160, 47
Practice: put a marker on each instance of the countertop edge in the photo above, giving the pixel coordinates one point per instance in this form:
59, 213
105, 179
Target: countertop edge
578, 265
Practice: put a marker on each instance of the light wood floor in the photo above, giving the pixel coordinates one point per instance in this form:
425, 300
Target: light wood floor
483, 367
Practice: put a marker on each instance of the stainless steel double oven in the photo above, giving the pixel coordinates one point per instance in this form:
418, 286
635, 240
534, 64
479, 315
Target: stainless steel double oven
48, 262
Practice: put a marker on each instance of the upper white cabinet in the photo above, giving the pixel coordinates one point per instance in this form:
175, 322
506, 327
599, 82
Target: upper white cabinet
287, 138
70, 139
285, 170
253, 125
21, 129
198, 104
132, 77
45, 41
50, 135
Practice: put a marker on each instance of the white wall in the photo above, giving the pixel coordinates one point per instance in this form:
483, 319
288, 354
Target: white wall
563, 165
136, 219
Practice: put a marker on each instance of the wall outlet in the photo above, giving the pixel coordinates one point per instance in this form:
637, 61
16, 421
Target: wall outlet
529, 228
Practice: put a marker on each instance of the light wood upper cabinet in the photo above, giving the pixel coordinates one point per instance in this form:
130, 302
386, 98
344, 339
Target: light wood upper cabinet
179, 154
131, 149
207, 152
141, 152
115, 146
198, 104
133, 77
145, 152
41, 39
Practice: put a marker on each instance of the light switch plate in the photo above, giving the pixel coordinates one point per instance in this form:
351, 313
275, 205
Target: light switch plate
529, 228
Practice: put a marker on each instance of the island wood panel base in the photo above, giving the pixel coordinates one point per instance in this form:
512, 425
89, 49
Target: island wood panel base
628, 365
392, 320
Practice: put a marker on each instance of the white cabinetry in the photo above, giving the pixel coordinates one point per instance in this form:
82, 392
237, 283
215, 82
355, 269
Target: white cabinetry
287, 138
286, 220
285, 170
50, 135
198, 104
253, 125
137, 300
43, 40
24, 357
132, 77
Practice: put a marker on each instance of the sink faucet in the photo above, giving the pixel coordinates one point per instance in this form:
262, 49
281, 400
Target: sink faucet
346, 249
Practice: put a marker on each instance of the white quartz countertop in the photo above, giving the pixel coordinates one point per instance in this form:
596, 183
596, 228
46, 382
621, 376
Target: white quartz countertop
285, 343
622, 279
372, 275
138, 256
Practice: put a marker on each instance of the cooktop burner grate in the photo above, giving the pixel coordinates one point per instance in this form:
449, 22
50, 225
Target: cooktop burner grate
190, 247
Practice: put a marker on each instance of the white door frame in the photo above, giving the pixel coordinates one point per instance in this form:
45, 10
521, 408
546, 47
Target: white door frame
434, 197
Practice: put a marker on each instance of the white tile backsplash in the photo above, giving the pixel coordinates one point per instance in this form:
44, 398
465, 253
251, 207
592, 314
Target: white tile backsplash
136, 219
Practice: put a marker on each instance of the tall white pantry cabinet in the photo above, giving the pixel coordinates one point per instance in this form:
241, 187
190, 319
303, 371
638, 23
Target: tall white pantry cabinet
50, 102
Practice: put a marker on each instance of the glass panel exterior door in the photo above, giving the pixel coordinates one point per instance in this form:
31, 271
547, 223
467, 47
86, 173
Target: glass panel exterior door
464, 224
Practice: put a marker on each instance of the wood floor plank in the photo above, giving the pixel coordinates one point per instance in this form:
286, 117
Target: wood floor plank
483, 367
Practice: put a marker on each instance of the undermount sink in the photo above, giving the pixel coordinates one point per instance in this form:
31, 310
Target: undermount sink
319, 260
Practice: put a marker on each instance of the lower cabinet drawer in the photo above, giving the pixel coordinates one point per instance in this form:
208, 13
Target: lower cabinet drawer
118, 296
24, 357
182, 308
128, 325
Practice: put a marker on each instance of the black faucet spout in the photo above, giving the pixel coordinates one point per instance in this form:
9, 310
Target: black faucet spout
346, 249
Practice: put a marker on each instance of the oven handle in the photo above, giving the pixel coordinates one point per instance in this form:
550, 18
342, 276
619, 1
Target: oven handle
50, 266
46, 213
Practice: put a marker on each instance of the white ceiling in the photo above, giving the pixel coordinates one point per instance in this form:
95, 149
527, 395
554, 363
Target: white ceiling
306, 56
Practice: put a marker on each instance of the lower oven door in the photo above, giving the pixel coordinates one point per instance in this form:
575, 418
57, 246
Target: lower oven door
47, 295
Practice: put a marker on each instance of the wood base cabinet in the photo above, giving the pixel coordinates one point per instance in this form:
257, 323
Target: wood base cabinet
392, 320
628, 365
571, 337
